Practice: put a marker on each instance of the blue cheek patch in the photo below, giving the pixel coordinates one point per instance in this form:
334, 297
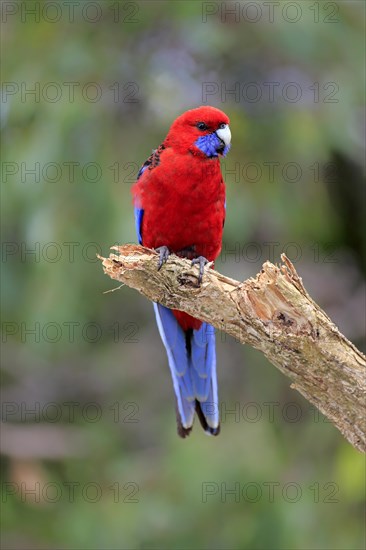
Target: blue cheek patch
226, 150
209, 145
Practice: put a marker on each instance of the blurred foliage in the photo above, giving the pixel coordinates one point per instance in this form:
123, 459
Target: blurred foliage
149, 61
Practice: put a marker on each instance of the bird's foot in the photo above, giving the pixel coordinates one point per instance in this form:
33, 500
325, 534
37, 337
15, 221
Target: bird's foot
201, 261
164, 253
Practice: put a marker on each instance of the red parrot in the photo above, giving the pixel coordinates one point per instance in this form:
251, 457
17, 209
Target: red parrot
179, 200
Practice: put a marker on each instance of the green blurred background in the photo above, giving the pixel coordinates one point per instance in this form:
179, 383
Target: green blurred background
98, 464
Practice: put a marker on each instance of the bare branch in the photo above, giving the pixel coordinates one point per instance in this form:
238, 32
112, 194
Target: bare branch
274, 314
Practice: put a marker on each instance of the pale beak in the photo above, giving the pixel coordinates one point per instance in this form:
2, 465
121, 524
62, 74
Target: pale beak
224, 134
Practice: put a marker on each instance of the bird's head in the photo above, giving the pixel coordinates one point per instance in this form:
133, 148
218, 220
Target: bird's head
202, 131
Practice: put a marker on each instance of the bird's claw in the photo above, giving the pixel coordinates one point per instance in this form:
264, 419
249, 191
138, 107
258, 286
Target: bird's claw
201, 261
164, 253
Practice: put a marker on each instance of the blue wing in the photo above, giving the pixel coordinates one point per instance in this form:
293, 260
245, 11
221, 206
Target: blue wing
139, 212
150, 163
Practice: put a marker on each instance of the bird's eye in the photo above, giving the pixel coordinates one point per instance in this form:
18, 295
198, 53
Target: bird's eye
222, 126
201, 126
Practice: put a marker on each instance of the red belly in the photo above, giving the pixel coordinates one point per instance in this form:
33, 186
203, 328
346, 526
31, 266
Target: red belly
186, 321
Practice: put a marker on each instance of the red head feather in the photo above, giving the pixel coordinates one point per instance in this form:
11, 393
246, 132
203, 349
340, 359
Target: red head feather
184, 132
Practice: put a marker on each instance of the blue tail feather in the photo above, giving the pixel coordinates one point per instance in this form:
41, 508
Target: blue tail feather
203, 359
193, 370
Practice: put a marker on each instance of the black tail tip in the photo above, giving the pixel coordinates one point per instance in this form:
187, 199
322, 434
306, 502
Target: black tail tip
182, 431
212, 431
203, 421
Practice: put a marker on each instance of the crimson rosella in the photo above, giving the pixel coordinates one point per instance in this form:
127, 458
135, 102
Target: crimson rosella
179, 200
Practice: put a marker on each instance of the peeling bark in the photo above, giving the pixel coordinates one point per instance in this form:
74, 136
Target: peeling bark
274, 314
